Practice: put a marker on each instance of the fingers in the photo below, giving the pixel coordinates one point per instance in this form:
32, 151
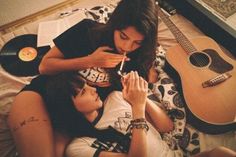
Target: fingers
129, 80
135, 89
127, 59
112, 57
141, 83
105, 48
108, 49
133, 81
103, 57
144, 84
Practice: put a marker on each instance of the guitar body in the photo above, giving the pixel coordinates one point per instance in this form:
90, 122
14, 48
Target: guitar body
214, 105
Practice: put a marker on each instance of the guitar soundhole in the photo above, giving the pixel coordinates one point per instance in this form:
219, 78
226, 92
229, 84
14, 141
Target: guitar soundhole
199, 59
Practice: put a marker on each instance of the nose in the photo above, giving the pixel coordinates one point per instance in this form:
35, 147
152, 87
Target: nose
127, 46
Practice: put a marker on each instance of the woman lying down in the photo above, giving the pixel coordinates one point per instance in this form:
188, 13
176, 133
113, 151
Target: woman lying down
127, 124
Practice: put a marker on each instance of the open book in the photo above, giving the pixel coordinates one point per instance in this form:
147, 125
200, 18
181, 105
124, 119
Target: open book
48, 30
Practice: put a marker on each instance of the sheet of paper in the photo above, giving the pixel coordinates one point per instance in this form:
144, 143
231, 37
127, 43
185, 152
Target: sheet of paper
48, 30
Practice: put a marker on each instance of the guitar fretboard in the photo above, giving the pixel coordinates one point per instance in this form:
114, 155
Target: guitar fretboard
180, 37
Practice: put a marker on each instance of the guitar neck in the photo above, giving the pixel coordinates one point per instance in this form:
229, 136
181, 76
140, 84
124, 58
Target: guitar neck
180, 37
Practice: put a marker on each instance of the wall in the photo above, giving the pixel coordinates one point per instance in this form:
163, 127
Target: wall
11, 10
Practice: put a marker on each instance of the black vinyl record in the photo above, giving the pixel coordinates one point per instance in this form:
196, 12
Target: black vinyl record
21, 57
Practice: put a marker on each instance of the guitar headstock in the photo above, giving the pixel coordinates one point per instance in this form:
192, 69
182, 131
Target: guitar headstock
166, 6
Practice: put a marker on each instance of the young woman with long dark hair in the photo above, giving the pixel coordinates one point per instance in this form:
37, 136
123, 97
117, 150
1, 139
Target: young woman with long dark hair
95, 51
126, 124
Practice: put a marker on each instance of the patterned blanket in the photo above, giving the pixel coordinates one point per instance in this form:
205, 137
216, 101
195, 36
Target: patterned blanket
183, 137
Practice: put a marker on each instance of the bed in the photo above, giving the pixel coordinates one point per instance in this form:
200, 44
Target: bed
185, 136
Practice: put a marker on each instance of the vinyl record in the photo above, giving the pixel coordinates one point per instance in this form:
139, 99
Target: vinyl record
21, 57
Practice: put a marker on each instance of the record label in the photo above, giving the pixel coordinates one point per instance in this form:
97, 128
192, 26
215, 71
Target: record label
27, 54
20, 56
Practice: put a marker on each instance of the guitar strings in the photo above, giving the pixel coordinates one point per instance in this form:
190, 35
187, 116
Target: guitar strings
187, 46
183, 40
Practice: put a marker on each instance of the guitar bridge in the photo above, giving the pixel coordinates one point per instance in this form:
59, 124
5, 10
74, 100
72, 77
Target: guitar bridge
216, 80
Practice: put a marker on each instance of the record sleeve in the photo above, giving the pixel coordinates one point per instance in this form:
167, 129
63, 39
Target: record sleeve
21, 57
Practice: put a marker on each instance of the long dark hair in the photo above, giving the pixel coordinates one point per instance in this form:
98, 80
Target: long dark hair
142, 15
65, 118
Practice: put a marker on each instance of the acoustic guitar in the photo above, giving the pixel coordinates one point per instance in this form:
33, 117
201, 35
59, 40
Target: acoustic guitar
208, 80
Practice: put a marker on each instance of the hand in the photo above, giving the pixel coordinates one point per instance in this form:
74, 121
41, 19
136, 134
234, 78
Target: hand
135, 90
101, 57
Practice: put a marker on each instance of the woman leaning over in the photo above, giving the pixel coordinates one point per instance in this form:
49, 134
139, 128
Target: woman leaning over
94, 50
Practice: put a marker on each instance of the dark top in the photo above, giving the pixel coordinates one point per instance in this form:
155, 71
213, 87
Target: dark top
76, 41
80, 40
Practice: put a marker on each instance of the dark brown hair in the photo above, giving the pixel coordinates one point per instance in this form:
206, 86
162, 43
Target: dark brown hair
142, 15
65, 118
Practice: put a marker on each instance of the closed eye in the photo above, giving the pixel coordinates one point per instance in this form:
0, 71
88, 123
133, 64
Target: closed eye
123, 36
138, 42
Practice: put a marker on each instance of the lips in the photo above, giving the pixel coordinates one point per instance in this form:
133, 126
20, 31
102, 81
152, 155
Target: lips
120, 51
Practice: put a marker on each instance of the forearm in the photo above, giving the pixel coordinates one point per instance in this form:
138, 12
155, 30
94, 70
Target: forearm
135, 92
54, 62
138, 145
56, 65
158, 117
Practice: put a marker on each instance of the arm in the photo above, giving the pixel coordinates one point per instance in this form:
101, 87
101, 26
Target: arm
158, 117
135, 92
152, 75
55, 62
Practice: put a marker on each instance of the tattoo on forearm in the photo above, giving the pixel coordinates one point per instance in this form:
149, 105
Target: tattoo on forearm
25, 122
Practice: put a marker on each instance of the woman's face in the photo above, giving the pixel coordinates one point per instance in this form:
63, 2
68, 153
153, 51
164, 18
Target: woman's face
87, 100
127, 40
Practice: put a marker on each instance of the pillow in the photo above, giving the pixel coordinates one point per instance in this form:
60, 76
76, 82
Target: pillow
164, 91
100, 13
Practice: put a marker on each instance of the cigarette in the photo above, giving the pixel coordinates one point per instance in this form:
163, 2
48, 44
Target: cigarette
122, 64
